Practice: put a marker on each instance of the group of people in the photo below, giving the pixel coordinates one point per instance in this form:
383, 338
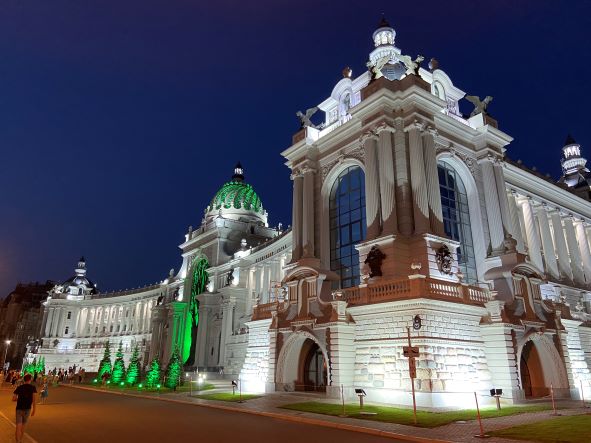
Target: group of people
67, 375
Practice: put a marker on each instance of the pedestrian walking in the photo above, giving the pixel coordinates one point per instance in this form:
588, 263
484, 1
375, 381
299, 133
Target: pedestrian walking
44, 392
24, 396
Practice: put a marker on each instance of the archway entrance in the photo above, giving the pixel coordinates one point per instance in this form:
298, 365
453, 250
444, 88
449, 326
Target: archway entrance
312, 373
532, 374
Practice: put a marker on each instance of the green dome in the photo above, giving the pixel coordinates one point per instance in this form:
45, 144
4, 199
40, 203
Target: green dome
236, 195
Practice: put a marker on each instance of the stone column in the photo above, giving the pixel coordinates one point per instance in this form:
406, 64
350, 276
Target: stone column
493, 210
584, 249
372, 189
433, 192
576, 261
202, 337
308, 213
388, 195
55, 318
514, 212
403, 192
227, 326
48, 321
531, 232
547, 245
503, 203
296, 229
560, 245
418, 181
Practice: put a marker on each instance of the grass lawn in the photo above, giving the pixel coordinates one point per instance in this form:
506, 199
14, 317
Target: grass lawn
227, 396
405, 416
575, 429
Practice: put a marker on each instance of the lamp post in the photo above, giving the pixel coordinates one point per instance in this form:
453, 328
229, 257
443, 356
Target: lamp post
7, 344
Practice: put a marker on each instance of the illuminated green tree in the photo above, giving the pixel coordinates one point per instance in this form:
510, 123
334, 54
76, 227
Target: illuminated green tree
153, 375
118, 374
133, 370
41, 365
105, 364
173, 371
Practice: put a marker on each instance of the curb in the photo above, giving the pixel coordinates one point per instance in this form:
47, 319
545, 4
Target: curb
284, 417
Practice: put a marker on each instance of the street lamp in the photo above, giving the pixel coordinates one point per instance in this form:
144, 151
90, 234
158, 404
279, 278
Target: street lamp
7, 343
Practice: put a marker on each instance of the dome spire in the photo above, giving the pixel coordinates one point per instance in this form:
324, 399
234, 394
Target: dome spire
238, 173
574, 165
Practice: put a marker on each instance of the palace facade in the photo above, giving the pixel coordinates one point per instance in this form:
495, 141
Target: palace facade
407, 216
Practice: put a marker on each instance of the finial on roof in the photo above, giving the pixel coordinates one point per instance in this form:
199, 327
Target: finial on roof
569, 140
383, 22
238, 172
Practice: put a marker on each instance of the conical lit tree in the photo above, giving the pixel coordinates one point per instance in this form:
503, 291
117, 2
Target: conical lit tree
153, 375
133, 370
105, 364
41, 365
173, 371
118, 374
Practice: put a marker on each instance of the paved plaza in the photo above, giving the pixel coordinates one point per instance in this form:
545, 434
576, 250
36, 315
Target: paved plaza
72, 409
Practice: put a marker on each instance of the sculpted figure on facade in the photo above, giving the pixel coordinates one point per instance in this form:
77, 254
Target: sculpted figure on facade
305, 117
480, 107
374, 261
444, 260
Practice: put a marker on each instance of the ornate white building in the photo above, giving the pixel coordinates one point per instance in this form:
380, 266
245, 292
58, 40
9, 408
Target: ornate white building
405, 212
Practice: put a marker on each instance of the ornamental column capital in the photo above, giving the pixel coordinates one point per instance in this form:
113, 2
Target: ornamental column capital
306, 169
296, 173
417, 125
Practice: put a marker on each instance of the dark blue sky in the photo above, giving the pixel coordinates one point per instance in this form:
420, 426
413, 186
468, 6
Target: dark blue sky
119, 120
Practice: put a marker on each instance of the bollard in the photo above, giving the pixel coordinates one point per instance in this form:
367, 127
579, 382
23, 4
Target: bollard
343, 400
482, 434
553, 403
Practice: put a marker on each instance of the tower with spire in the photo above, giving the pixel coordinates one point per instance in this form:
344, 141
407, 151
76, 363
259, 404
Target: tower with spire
575, 173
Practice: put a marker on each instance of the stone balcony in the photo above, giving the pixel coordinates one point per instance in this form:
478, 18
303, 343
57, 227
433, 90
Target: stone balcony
413, 287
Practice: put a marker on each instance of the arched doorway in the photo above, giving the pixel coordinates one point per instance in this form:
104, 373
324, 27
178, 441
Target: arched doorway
312, 371
532, 373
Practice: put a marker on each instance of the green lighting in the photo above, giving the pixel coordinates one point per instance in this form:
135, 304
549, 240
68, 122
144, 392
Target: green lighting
121, 384
236, 194
133, 370
105, 364
158, 386
173, 372
119, 366
140, 386
95, 380
153, 375
199, 279
108, 382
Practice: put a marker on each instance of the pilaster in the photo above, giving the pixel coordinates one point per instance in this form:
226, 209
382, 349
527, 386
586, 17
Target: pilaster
388, 196
547, 245
560, 245
493, 210
308, 212
581, 235
417, 179
372, 188
576, 261
432, 175
298, 188
531, 232
403, 191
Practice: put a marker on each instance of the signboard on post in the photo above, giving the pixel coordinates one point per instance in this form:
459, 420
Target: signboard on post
410, 351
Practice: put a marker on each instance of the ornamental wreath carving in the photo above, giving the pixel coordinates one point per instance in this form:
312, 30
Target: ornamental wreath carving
374, 261
444, 259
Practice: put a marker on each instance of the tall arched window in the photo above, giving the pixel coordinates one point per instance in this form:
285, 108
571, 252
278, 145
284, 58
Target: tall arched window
456, 218
347, 224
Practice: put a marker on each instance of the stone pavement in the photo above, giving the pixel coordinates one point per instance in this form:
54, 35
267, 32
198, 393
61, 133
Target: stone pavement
269, 404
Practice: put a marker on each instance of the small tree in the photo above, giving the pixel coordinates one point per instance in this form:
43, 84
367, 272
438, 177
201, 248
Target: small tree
118, 374
153, 375
41, 365
173, 371
105, 364
133, 370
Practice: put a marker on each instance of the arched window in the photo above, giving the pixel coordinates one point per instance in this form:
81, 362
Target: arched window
456, 218
347, 224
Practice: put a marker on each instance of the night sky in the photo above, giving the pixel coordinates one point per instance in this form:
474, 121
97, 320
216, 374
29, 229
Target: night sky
119, 120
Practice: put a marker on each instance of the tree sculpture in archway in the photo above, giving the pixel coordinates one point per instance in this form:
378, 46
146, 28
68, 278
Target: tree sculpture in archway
199, 279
